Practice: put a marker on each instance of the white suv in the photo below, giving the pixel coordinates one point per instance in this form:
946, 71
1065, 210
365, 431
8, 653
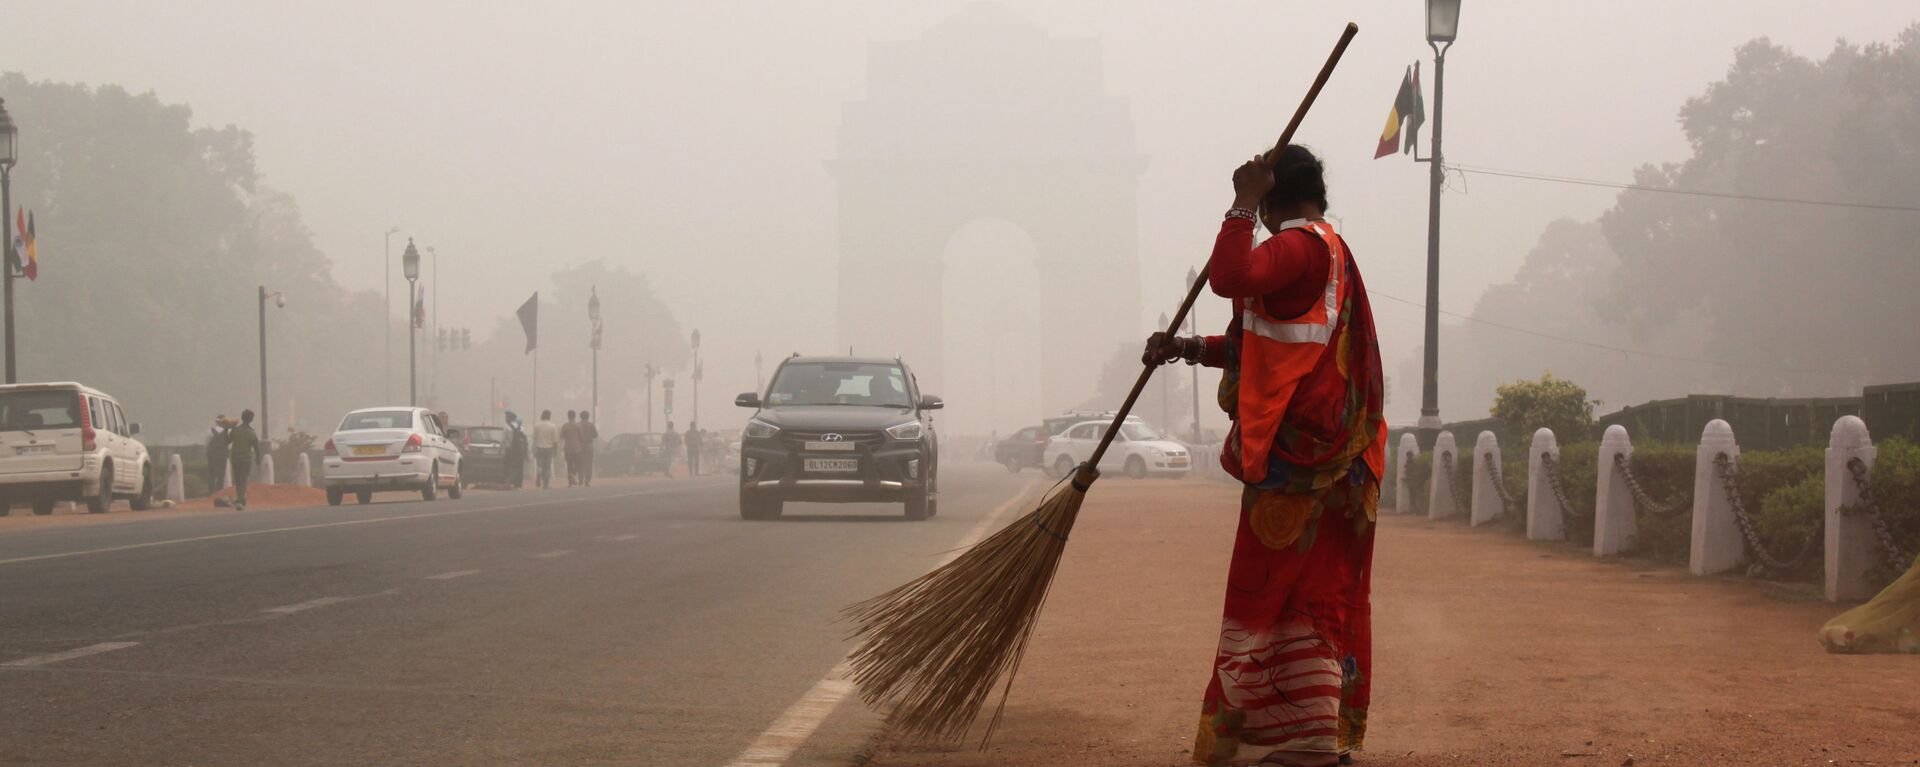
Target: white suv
391, 448
69, 442
1138, 449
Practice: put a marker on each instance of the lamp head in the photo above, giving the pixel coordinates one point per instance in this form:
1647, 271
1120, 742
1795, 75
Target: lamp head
1443, 20
410, 261
9, 134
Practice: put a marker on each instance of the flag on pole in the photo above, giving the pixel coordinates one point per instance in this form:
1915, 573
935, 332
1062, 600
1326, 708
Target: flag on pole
529, 313
593, 311
33, 250
420, 307
1419, 115
1402, 106
19, 249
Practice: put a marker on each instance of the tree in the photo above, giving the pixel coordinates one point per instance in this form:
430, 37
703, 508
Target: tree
1555, 403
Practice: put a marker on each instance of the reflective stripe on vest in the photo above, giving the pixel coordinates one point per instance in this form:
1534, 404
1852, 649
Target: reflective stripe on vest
1308, 328
1276, 354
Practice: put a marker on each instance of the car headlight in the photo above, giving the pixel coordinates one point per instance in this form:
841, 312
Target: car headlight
758, 429
908, 431
1157, 452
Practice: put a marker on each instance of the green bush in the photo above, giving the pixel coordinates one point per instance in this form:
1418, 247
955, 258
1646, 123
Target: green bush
1556, 403
1419, 475
1785, 493
1896, 491
1665, 471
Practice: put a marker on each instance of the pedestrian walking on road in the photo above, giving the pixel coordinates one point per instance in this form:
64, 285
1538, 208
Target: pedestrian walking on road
217, 441
242, 446
588, 433
1302, 384
546, 439
695, 446
516, 458
570, 445
670, 445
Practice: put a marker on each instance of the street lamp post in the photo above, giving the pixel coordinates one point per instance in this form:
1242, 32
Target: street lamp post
9, 152
410, 265
1193, 323
1443, 24
593, 316
279, 300
651, 372
433, 367
759, 378
696, 375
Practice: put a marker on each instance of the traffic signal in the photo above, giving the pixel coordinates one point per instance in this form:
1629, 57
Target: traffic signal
667, 388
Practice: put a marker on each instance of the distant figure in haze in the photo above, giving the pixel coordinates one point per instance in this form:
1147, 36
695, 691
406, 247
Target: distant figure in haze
516, 452
1293, 670
217, 453
587, 433
695, 440
570, 445
242, 444
670, 445
546, 437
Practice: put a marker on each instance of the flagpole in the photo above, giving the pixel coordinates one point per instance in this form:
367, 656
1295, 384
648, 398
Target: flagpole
6, 234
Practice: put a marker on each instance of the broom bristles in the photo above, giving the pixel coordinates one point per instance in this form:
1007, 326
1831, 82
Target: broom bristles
935, 647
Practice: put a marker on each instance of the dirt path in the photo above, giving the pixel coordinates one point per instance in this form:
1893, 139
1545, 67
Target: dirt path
1489, 650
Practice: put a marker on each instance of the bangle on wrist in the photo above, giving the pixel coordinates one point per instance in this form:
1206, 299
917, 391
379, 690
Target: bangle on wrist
1245, 213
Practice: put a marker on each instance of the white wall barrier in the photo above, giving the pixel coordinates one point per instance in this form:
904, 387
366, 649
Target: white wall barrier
1487, 499
1851, 548
265, 477
1716, 543
1613, 520
176, 479
1440, 485
1402, 488
303, 471
1543, 509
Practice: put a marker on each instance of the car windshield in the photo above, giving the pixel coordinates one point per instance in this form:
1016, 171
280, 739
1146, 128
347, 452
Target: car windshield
486, 434
378, 419
28, 410
1139, 432
839, 383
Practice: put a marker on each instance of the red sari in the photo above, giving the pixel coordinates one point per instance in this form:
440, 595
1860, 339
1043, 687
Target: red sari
1292, 672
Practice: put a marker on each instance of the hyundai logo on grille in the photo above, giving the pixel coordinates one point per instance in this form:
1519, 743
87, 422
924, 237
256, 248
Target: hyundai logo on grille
831, 437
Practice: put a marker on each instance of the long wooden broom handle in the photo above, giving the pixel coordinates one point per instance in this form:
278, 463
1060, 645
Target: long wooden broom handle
1087, 472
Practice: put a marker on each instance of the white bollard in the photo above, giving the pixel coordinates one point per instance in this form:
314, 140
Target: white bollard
176, 479
1440, 488
1851, 548
266, 470
1543, 509
227, 467
1402, 489
303, 471
1716, 546
1487, 503
1613, 521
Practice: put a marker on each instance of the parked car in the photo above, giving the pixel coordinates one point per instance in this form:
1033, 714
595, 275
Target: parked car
391, 448
631, 454
1025, 449
1062, 422
839, 429
483, 454
69, 442
1138, 449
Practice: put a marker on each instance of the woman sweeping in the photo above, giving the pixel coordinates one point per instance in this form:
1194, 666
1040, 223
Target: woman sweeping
1301, 381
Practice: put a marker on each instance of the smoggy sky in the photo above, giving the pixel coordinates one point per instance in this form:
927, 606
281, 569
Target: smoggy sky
690, 140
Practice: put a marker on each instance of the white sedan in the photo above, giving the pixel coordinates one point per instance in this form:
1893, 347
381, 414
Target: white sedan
1138, 449
391, 448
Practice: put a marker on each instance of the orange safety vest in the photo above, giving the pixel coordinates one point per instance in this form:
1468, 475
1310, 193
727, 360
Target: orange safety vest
1277, 352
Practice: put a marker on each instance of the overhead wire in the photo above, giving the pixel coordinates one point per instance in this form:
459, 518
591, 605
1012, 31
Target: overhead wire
1531, 176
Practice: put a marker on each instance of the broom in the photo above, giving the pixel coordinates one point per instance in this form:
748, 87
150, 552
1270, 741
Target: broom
936, 646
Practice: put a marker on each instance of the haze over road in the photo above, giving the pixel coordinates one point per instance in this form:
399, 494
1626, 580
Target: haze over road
632, 624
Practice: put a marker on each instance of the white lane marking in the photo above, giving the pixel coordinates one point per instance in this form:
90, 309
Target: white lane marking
92, 649
307, 605
617, 538
452, 575
345, 523
556, 553
789, 732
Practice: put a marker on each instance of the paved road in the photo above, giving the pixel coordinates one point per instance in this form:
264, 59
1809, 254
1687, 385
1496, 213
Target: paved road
643, 624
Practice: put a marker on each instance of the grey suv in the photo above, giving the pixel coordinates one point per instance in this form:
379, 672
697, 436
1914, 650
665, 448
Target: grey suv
839, 430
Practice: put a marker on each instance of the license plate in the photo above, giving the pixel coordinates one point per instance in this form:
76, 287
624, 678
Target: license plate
370, 450
1178, 462
33, 449
831, 446
833, 464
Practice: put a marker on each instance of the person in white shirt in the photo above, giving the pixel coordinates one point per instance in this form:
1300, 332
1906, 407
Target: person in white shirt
546, 439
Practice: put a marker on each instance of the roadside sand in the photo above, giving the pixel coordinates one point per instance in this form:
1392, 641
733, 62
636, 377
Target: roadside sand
1489, 650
